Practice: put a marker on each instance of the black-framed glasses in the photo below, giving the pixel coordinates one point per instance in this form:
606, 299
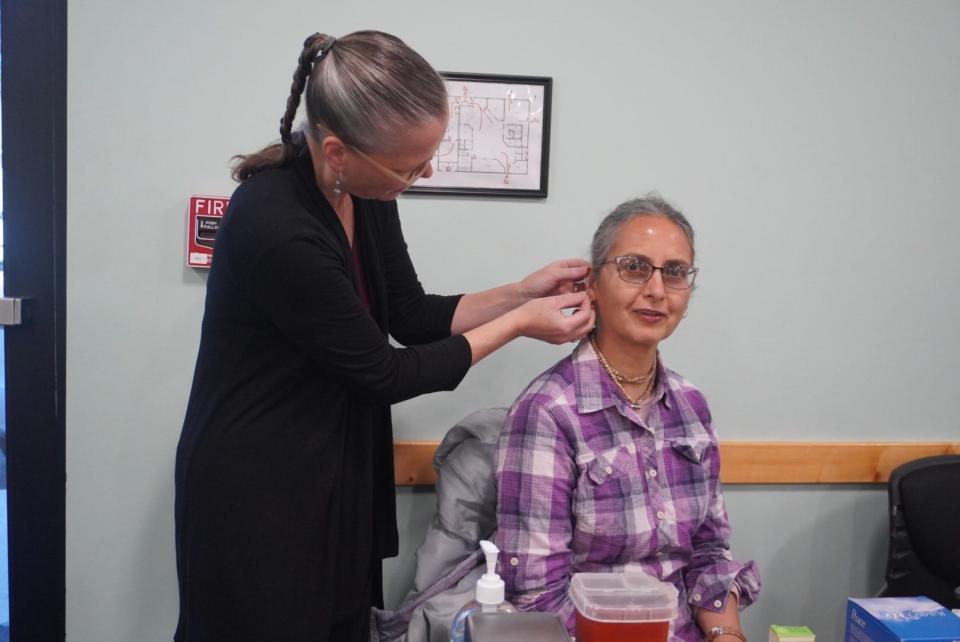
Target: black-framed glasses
676, 275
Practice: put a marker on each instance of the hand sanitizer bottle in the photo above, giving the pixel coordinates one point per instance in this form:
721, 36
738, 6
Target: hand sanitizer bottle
489, 596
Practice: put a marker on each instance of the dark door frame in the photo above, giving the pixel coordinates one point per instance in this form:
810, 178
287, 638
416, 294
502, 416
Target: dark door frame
34, 86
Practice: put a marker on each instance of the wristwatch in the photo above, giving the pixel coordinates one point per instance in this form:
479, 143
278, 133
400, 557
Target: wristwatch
716, 631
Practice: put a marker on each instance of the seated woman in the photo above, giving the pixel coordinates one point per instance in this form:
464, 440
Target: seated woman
609, 459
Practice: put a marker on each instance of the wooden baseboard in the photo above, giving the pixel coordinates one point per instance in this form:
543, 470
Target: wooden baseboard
749, 462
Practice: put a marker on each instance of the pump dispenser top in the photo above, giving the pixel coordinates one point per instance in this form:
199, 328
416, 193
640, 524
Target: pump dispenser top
490, 588
489, 596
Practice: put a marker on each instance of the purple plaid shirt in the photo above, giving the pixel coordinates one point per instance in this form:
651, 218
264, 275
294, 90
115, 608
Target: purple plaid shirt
585, 484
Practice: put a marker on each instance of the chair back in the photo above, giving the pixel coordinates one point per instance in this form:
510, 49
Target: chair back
924, 549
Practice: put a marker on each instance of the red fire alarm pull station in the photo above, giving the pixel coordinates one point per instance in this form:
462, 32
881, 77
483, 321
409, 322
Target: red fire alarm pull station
203, 222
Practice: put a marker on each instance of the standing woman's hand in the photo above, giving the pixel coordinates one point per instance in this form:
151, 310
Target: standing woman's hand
545, 318
556, 278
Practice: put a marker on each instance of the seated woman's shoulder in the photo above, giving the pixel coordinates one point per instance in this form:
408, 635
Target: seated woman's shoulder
553, 385
689, 394
680, 383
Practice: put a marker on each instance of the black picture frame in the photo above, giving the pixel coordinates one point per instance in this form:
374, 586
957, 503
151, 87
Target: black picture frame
516, 146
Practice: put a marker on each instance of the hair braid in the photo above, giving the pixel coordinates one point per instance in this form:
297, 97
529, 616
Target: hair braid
375, 86
311, 47
246, 165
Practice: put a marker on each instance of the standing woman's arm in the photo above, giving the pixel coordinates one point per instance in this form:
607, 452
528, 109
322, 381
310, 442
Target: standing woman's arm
542, 319
478, 308
489, 319
304, 288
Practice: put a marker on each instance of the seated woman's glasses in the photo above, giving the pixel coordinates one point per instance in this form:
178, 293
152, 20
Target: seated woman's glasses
633, 269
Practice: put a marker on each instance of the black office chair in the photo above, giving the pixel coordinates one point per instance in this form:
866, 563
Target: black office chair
924, 555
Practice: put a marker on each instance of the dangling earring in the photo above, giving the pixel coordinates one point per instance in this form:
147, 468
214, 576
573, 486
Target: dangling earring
337, 189
684, 315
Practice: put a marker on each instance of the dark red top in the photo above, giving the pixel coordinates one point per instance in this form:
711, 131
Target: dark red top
358, 266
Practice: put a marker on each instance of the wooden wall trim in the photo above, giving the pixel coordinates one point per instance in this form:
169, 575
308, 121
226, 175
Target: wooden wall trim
749, 462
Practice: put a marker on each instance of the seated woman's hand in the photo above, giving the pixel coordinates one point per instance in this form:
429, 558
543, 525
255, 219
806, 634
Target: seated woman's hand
545, 318
556, 278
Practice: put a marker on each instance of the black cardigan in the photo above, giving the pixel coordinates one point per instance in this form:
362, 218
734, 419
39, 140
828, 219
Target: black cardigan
284, 473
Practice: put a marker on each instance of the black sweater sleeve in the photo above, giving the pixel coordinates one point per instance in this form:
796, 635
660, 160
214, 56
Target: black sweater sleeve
305, 291
415, 317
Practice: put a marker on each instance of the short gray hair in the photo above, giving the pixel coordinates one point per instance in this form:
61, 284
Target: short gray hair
650, 205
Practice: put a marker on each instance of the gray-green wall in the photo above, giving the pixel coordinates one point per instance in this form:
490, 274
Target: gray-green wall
814, 145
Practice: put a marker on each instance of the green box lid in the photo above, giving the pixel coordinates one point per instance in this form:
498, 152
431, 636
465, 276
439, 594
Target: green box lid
787, 633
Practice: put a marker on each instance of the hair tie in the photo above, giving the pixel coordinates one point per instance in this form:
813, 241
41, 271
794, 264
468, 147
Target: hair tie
324, 49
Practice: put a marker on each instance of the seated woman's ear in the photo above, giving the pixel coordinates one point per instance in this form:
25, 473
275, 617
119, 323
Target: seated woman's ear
590, 287
592, 294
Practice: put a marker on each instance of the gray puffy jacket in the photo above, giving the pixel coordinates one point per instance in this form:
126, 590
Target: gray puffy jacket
449, 561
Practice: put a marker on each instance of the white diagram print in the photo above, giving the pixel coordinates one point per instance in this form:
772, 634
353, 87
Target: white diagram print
493, 139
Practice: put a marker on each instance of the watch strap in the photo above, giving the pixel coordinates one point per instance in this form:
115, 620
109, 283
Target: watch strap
716, 631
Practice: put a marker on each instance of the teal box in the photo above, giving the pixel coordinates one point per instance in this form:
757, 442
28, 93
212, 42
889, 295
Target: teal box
899, 619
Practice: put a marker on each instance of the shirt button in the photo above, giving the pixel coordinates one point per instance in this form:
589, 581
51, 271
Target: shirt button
514, 561
660, 514
697, 597
717, 603
653, 472
609, 470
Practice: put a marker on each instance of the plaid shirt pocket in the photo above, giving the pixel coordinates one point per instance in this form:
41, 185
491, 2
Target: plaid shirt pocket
609, 493
688, 464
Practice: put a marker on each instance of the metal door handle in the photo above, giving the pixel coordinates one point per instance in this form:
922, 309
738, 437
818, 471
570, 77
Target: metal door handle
12, 311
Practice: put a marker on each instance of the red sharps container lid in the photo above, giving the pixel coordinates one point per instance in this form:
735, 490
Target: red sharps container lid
626, 596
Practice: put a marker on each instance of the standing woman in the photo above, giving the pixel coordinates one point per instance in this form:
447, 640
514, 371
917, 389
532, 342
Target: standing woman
284, 477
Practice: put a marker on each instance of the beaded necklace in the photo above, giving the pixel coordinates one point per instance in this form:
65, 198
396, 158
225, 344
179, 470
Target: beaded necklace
619, 379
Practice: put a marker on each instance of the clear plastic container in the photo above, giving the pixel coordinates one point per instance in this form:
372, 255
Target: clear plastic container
489, 596
516, 627
459, 631
622, 607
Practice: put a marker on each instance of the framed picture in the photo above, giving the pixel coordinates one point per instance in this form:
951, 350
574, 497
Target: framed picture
497, 142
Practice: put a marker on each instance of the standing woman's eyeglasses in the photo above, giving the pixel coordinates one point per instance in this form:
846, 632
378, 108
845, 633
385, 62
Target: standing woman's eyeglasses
676, 275
407, 180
